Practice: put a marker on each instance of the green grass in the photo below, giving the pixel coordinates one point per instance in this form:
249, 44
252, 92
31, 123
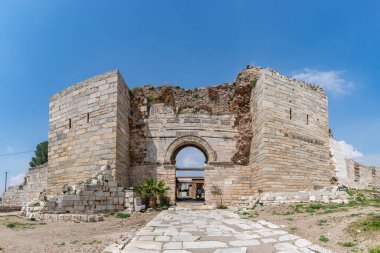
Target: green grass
322, 222
372, 223
122, 215
324, 239
347, 244
91, 242
290, 219
19, 225
375, 249
221, 207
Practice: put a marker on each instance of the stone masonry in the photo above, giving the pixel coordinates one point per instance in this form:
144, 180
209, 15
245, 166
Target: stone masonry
89, 129
262, 135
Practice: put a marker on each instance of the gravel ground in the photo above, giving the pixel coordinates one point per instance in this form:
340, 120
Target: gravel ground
336, 225
65, 236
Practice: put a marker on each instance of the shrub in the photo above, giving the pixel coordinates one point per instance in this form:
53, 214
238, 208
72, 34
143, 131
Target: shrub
324, 239
372, 223
316, 206
122, 215
347, 244
322, 222
221, 207
254, 82
150, 189
375, 249
11, 225
164, 200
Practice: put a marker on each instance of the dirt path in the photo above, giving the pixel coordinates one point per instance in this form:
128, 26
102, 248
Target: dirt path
61, 236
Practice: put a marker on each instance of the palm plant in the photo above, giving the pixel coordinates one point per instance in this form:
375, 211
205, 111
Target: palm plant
150, 189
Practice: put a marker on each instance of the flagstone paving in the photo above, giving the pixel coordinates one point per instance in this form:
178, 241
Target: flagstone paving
215, 231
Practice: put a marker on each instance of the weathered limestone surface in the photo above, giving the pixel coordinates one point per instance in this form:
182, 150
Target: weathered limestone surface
14, 196
185, 230
339, 162
351, 173
89, 129
290, 145
234, 180
99, 193
361, 176
31, 190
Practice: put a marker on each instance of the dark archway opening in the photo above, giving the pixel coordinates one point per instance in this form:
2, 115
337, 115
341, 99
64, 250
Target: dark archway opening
190, 161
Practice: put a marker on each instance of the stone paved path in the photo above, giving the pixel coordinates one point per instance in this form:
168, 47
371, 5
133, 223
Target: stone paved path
214, 231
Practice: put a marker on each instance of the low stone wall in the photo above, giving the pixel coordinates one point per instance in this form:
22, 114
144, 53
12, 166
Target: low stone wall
326, 195
32, 190
14, 196
66, 217
351, 173
361, 176
100, 193
5, 209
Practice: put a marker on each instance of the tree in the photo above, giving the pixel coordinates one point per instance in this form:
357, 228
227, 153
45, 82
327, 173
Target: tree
150, 189
41, 155
216, 191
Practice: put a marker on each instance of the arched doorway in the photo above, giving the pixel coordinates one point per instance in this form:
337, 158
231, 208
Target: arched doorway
190, 162
189, 174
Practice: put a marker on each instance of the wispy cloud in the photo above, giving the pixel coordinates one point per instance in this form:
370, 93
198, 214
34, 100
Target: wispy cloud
9, 149
332, 80
16, 180
371, 160
190, 158
349, 151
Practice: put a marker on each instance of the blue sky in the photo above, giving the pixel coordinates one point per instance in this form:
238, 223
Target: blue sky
46, 46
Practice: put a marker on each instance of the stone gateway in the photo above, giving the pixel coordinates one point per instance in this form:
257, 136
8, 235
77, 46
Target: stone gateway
264, 133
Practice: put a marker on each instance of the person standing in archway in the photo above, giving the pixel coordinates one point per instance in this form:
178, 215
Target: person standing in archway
199, 193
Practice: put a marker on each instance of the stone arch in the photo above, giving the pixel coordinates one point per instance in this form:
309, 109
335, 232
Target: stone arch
189, 141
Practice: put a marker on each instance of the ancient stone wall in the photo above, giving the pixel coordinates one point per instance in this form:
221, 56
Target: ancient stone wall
290, 145
234, 180
99, 193
164, 127
339, 162
122, 133
32, 189
14, 196
35, 183
350, 173
88, 129
228, 99
361, 176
